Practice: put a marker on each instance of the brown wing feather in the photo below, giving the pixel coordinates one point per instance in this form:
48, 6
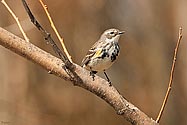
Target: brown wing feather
92, 51
86, 59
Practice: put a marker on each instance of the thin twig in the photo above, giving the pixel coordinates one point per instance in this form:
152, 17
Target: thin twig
16, 19
46, 35
171, 76
69, 67
55, 30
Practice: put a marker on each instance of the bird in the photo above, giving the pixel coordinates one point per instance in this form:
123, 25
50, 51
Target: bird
103, 53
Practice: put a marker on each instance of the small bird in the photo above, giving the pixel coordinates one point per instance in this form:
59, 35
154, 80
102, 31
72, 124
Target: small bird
103, 53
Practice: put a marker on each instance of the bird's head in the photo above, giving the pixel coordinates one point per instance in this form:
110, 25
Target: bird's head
112, 34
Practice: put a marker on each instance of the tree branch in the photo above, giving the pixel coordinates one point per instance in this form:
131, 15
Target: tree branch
55, 30
98, 87
16, 19
171, 76
46, 34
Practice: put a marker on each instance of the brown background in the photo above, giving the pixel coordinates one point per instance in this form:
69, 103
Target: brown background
30, 96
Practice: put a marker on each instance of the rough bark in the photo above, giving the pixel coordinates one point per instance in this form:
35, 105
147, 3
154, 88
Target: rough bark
99, 87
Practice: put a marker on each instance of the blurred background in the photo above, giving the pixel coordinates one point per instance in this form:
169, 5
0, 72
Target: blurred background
31, 96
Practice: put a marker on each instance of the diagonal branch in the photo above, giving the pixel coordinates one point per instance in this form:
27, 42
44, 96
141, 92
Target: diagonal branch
16, 19
68, 63
98, 87
171, 77
46, 35
55, 30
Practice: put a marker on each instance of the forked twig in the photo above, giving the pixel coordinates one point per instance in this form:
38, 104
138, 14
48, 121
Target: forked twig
69, 67
171, 76
46, 35
55, 30
16, 19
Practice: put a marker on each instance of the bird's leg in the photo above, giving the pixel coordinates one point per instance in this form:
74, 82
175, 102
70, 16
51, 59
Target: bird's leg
92, 73
107, 78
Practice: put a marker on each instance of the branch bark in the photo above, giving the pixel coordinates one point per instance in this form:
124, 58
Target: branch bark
98, 87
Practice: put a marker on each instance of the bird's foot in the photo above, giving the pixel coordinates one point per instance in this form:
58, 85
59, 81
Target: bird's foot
92, 74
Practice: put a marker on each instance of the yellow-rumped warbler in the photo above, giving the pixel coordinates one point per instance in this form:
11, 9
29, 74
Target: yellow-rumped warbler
103, 53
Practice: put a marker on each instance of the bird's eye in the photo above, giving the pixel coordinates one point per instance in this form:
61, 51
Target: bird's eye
111, 32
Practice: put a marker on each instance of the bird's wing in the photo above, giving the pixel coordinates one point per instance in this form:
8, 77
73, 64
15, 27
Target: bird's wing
91, 54
87, 58
95, 51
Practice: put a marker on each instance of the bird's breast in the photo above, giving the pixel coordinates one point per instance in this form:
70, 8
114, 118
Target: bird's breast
106, 59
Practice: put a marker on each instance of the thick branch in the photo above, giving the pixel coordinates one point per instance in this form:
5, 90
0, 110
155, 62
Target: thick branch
54, 65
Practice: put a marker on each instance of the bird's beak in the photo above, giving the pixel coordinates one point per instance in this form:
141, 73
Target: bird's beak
121, 32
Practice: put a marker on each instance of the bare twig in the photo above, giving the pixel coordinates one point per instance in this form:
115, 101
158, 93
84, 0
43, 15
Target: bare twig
69, 67
46, 35
171, 76
16, 19
98, 87
55, 30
